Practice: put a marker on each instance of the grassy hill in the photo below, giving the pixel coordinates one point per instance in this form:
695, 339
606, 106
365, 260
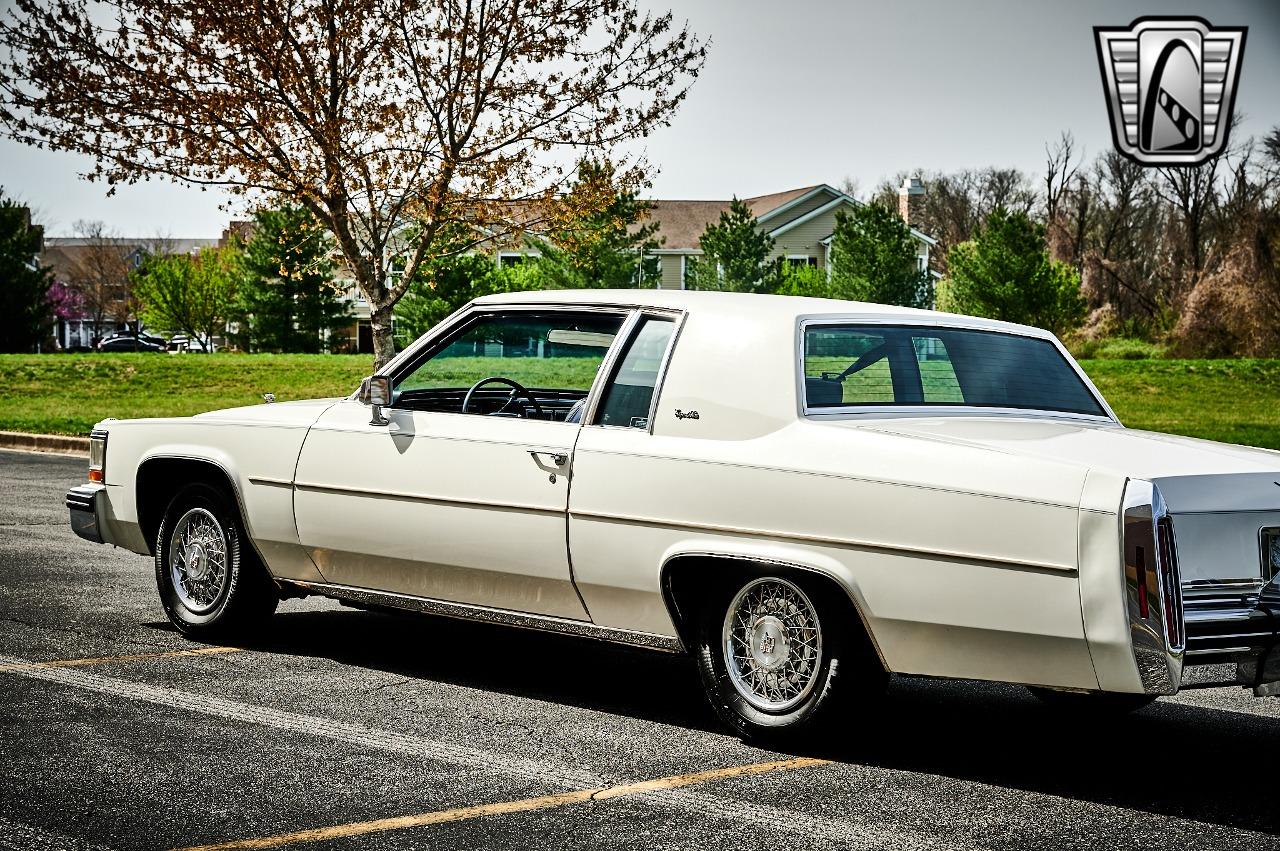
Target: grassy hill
1237, 401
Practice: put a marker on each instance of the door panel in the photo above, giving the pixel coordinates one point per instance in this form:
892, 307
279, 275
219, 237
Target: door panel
449, 506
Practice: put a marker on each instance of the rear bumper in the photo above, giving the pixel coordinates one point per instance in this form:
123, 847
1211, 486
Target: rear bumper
84, 502
1246, 636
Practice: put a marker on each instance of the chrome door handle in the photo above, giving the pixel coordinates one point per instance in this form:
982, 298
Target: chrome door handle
558, 458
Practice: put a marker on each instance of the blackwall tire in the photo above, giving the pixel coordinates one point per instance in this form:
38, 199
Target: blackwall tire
779, 660
211, 584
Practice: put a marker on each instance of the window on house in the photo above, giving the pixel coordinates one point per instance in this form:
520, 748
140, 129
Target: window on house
511, 258
795, 260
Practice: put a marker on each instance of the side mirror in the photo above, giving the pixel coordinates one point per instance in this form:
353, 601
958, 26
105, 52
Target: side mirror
376, 391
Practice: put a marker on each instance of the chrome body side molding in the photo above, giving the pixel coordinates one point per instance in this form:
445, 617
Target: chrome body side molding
486, 614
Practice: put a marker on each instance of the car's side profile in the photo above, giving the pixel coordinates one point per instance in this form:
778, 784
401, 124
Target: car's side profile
807, 495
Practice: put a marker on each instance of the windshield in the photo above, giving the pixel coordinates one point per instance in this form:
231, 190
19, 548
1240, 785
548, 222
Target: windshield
898, 365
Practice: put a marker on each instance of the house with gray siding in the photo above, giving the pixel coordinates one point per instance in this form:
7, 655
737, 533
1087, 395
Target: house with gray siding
801, 222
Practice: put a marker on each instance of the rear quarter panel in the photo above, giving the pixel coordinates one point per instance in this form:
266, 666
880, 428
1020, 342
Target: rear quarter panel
962, 561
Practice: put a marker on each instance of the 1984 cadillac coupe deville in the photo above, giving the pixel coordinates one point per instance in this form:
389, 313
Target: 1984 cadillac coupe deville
806, 495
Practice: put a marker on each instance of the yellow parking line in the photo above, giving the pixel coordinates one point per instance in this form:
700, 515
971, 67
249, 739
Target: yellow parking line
343, 831
103, 660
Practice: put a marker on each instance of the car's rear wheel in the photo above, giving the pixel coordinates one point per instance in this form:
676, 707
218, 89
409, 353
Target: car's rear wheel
211, 584
1096, 702
775, 656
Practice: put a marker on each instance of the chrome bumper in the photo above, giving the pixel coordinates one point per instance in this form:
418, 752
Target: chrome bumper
1246, 634
83, 504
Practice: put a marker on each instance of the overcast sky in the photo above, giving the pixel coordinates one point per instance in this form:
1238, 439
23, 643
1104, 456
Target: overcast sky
803, 92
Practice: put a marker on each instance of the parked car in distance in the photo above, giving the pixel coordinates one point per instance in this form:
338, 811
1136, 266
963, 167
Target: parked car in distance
806, 495
184, 343
129, 343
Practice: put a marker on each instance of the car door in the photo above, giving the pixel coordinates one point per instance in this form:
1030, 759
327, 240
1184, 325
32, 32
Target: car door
464, 505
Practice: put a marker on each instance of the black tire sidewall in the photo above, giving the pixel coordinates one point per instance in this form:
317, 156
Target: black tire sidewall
747, 720
186, 621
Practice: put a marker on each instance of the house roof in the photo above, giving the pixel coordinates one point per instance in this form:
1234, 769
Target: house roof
682, 222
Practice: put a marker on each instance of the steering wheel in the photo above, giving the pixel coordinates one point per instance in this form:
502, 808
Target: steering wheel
517, 389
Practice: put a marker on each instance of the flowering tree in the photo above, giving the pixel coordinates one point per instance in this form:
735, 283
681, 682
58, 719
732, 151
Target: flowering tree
65, 302
381, 117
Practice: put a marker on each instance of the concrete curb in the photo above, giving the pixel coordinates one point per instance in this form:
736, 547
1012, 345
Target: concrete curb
60, 443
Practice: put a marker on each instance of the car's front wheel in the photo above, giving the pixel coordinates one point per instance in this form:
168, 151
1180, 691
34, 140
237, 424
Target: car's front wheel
775, 656
211, 585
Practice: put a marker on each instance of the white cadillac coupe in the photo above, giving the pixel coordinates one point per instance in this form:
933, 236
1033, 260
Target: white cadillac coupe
806, 495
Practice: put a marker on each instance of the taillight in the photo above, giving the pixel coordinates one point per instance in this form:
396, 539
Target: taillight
1153, 589
1171, 585
1140, 568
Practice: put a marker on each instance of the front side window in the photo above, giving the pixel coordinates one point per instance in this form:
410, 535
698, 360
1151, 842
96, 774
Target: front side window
878, 365
629, 395
533, 364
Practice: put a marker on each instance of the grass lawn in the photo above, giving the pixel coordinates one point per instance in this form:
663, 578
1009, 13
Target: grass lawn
1235, 401
1230, 400
67, 394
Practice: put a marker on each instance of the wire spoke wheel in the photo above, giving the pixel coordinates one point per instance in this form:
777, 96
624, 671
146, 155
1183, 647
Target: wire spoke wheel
772, 644
198, 560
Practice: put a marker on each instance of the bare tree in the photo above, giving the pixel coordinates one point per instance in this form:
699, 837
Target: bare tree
384, 118
98, 269
1060, 170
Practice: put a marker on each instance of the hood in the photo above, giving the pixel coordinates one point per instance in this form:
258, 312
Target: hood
300, 413
1101, 446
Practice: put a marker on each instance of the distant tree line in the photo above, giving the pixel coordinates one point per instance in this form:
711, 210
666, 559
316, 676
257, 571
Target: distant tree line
1185, 257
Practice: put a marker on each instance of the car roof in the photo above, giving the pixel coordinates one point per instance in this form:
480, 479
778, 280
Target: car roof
771, 308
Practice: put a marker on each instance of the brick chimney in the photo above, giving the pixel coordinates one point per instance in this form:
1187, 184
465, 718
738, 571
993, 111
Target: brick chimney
911, 201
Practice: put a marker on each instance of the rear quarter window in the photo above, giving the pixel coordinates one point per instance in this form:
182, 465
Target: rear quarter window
902, 365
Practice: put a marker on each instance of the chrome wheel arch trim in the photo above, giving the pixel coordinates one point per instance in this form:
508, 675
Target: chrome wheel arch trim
759, 562
488, 614
231, 481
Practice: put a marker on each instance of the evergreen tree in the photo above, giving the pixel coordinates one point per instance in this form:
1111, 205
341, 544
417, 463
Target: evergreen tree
286, 300
735, 255
873, 258
1005, 273
448, 283
24, 283
606, 246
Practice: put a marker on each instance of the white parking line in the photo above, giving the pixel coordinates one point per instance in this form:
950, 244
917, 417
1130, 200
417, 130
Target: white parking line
822, 831
15, 836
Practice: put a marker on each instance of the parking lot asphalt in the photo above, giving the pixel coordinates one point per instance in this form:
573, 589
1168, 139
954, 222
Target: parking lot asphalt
346, 729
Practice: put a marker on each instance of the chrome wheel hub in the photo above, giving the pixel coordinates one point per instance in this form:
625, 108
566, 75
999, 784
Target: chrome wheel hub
772, 644
198, 560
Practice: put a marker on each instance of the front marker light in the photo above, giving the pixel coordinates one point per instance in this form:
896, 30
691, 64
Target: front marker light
98, 457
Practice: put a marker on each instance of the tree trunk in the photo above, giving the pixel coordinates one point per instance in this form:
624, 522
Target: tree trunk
384, 345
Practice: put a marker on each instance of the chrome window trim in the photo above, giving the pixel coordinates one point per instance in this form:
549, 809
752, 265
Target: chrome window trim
605, 373
960, 324
431, 343
677, 317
